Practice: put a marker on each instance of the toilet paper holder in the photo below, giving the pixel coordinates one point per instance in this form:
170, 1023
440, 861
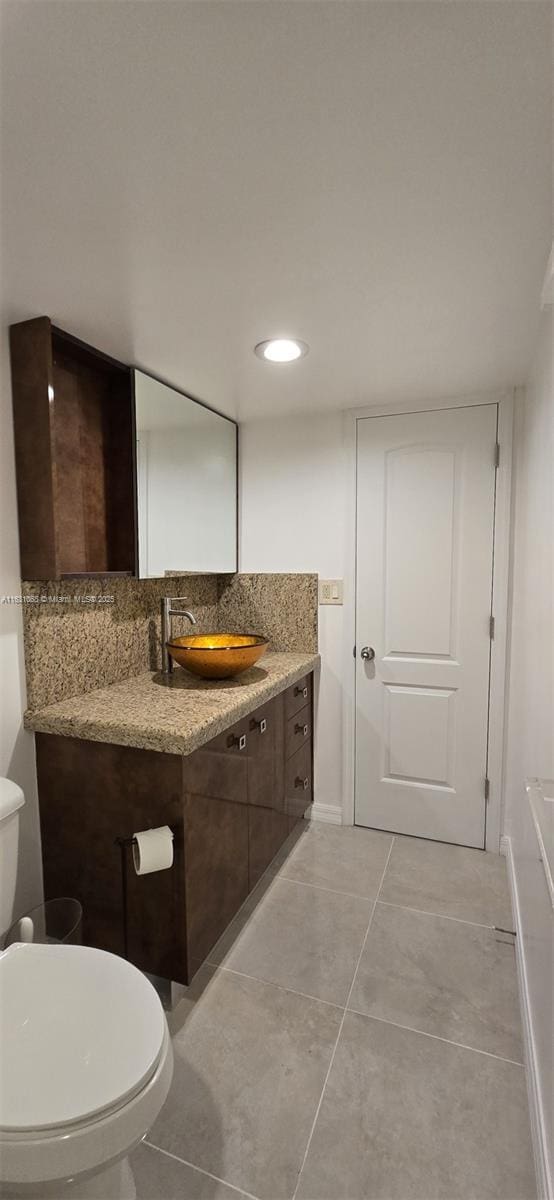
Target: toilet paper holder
124, 843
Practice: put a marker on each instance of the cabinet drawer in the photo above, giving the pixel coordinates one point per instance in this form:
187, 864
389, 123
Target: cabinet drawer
299, 730
298, 696
299, 783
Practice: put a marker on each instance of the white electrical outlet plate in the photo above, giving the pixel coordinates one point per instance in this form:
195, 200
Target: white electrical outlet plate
330, 591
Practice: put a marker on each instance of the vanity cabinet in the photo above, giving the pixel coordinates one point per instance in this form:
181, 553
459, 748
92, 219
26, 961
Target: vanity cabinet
91, 793
231, 805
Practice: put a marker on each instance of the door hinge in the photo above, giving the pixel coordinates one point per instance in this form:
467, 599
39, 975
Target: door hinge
491, 628
353, 651
497, 455
487, 789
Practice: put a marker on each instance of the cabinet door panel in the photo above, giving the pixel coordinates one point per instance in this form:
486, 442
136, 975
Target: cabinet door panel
262, 749
216, 871
267, 830
268, 822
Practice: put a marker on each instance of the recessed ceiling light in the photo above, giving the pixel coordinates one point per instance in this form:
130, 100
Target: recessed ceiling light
281, 350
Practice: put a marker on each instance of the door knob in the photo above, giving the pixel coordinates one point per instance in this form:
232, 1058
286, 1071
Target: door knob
368, 653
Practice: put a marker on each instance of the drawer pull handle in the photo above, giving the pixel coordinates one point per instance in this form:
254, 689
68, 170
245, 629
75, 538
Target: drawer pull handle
261, 725
237, 741
301, 692
302, 729
303, 783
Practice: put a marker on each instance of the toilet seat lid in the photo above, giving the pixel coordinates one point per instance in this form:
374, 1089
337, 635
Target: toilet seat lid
81, 1031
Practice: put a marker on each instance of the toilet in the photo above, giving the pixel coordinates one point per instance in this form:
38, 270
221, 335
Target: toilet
86, 1057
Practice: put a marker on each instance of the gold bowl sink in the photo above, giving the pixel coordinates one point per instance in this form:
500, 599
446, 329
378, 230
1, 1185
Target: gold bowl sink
217, 655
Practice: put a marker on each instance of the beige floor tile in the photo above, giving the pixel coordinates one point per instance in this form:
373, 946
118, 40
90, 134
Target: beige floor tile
409, 1117
250, 1063
451, 881
159, 1177
444, 977
302, 938
345, 859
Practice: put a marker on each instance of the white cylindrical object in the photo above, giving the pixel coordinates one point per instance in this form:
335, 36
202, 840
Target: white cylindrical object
153, 850
26, 930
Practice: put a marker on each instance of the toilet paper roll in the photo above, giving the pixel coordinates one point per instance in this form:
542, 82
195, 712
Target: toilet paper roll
153, 850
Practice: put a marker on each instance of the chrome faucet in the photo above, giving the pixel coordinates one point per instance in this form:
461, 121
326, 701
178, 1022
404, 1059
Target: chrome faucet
168, 611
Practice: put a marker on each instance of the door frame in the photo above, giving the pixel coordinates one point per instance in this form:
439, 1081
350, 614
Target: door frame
501, 574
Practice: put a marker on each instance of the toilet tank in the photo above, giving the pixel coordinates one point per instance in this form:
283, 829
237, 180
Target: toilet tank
11, 800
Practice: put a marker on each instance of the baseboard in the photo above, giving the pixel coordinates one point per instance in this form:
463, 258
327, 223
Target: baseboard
331, 813
539, 1132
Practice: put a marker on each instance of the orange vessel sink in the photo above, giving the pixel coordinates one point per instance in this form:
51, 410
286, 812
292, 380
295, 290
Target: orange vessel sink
217, 655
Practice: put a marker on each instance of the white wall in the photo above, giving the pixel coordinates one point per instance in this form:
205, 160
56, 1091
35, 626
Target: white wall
17, 756
530, 723
293, 496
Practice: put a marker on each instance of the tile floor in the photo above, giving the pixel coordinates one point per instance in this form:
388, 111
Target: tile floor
355, 1036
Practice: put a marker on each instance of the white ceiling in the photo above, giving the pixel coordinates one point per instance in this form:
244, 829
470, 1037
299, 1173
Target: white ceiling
182, 180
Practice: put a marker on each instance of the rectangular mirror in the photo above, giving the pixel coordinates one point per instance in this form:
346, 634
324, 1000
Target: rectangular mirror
187, 483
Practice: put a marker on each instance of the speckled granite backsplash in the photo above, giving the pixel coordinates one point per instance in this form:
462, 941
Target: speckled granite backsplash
76, 640
283, 607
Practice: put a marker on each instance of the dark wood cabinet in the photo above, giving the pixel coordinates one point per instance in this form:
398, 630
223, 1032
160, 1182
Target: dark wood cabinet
90, 794
74, 438
298, 696
231, 805
268, 824
299, 730
298, 782
220, 768
216, 871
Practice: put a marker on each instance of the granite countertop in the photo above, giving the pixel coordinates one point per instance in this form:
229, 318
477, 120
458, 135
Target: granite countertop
174, 717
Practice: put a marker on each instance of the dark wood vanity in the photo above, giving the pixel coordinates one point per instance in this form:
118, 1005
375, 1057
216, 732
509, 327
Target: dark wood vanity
231, 804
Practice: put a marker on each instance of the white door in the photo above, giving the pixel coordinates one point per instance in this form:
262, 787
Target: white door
425, 523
